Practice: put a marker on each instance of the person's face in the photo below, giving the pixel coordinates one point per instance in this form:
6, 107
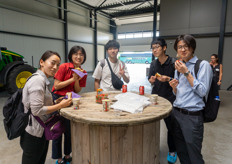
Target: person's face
157, 50
112, 52
185, 52
78, 58
213, 59
50, 66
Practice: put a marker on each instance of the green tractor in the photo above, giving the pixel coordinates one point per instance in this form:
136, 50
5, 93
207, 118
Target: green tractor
13, 70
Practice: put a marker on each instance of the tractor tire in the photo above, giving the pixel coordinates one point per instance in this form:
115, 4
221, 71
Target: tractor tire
17, 77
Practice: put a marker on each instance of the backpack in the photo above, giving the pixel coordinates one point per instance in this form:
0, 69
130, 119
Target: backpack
212, 103
15, 120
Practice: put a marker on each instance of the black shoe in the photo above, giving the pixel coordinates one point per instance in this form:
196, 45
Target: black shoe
67, 161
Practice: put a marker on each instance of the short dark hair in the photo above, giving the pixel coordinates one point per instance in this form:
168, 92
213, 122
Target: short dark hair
159, 41
188, 39
74, 50
112, 43
47, 54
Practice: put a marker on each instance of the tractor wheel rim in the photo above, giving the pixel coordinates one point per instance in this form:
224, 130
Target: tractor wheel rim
21, 79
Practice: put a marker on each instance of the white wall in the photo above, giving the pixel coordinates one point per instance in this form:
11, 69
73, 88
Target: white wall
34, 24
188, 17
198, 17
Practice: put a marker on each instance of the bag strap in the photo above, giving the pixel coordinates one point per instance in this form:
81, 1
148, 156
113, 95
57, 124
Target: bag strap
197, 66
39, 120
36, 117
109, 66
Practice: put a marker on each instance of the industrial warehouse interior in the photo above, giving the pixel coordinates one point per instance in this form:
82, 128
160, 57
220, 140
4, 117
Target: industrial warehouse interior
28, 28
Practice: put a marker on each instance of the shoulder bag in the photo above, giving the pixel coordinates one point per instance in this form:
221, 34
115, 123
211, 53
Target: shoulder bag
117, 83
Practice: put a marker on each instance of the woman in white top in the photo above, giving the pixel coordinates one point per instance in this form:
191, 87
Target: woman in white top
38, 98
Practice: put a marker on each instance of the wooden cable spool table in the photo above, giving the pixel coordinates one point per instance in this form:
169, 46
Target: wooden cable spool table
100, 137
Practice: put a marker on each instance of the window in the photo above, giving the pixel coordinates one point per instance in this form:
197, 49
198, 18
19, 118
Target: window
121, 36
147, 34
138, 35
144, 34
129, 35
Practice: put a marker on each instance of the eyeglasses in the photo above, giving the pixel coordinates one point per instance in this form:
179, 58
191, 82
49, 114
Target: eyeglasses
185, 47
79, 54
155, 47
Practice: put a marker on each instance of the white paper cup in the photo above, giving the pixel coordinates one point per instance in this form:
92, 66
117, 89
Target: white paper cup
76, 103
106, 105
154, 99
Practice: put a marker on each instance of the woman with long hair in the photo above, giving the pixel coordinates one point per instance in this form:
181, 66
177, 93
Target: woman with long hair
217, 69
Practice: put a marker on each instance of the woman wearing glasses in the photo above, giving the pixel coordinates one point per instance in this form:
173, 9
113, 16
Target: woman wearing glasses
67, 81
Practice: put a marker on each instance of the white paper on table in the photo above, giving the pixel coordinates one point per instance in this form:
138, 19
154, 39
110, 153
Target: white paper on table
130, 102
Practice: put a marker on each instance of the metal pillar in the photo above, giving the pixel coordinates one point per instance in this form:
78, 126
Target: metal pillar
154, 22
65, 32
222, 30
91, 19
95, 38
154, 19
113, 29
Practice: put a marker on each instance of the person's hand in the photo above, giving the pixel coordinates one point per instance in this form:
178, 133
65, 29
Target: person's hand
219, 83
173, 83
152, 79
65, 102
121, 70
76, 77
163, 78
180, 67
57, 101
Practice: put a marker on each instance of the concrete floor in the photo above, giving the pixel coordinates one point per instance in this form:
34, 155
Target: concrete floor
217, 145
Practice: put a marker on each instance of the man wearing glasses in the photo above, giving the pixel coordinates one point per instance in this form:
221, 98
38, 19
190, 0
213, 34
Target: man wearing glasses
165, 68
188, 123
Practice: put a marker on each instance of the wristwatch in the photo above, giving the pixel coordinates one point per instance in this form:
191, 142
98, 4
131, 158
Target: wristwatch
186, 73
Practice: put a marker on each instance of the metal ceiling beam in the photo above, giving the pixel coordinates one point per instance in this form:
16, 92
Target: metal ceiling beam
133, 12
125, 3
85, 4
101, 4
89, 7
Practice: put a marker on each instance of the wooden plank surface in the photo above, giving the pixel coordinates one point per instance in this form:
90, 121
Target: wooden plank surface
95, 144
138, 144
91, 112
76, 138
127, 146
105, 145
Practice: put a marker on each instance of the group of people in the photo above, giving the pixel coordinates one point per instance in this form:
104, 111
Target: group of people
43, 103
183, 90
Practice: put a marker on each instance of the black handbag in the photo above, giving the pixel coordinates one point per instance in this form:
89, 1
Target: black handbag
117, 83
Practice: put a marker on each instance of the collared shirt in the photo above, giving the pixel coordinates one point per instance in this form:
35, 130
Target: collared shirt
191, 98
104, 74
64, 73
163, 89
36, 95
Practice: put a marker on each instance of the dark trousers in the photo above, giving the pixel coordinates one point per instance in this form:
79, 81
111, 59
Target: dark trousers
188, 136
170, 138
57, 143
34, 149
